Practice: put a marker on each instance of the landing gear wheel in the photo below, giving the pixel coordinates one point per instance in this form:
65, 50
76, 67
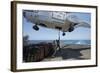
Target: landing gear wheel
63, 34
35, 27
71, 29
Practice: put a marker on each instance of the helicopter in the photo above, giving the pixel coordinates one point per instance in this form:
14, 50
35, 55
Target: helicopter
62, 21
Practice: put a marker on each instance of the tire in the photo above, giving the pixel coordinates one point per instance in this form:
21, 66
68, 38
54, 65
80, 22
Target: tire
71, 29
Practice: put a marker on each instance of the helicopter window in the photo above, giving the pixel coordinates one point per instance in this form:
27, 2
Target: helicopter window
36, 11
59, 15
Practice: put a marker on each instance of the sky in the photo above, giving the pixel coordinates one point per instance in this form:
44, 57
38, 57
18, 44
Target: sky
79, 33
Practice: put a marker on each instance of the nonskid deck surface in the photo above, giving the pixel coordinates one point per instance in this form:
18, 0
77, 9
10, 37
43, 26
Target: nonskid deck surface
72, 52
45, 52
